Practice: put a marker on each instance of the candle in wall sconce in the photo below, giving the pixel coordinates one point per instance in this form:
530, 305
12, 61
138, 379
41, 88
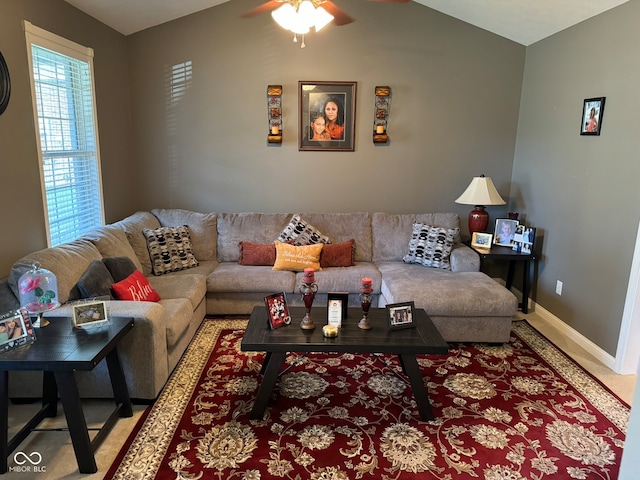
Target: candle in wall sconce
380, 129
274, 113
275, 130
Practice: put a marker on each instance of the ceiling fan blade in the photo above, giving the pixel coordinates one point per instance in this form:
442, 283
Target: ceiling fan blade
265, 7
339, 16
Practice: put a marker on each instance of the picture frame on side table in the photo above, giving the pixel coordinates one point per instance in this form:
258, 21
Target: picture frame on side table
277, 310
504, 232
481, 240
89, 314
15, 330
592, 113
333, 103
523, 239
400, 315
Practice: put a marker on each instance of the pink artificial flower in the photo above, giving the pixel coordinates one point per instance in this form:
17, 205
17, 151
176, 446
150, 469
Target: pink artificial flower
29, 284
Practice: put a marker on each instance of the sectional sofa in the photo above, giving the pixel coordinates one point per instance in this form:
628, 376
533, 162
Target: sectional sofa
229, 269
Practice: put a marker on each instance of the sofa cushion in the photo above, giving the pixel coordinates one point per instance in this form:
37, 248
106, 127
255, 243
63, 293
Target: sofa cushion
301, 232
119, 267
67, 262
257, 253
135, 287
297, 258
391, 232
133, 226
111, 241
341, 227
193, 287
232, 277
338, 254
170, 249
345, 279
202, 227
96, 281
431, 246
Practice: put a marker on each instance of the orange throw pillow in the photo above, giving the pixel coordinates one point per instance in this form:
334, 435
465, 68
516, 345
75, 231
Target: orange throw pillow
338, 254
297, 258
257, 254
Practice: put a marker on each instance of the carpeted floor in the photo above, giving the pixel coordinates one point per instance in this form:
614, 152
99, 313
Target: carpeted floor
517, 411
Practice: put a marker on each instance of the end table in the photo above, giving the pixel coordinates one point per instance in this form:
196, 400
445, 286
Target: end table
499, 253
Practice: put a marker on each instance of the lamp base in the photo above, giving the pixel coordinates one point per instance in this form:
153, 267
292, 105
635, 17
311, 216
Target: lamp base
478, 220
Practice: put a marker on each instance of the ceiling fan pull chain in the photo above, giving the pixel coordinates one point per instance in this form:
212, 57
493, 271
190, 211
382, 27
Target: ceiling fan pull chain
295, 38
302, 45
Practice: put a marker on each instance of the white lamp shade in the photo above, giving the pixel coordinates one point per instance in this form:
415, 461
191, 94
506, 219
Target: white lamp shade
322, 18
285, 15
481, 191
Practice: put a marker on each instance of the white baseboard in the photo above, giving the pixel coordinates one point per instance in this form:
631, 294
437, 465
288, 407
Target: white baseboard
575, 337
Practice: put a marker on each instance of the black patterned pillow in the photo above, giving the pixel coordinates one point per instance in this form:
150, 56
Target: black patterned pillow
299, 232
431, 246
170, 249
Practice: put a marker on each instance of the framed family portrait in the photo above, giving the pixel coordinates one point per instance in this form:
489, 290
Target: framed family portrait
504, 232
89, 314
15, 330
592, 112
400, 315
277, 310
327, 116
481, 240
523, 239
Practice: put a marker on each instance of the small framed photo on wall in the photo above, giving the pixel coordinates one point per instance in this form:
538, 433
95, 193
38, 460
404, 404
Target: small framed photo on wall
592, 112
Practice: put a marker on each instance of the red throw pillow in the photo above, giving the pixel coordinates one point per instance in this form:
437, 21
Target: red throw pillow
257, 254
338, 254
135, 287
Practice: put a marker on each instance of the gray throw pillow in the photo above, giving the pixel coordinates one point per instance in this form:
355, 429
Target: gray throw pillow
119, 267
96, 281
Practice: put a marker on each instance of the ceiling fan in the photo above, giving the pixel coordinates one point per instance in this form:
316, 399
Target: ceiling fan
299, 16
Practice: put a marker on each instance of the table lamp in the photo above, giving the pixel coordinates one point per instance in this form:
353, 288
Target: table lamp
480, 192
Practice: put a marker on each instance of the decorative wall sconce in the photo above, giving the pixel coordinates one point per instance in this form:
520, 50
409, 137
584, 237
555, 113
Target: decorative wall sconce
381, 114
274, 112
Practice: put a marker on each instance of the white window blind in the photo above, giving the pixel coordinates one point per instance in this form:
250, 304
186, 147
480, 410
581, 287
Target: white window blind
63, 92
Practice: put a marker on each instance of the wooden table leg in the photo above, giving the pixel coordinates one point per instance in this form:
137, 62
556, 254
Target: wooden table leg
76, 422
410, 366
119, 383
271, 368
4, 420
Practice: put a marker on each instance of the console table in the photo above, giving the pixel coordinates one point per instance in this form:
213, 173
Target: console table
60, 350
503, 254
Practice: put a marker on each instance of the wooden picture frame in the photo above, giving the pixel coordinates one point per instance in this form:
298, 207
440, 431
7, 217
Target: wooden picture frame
277, 310
16, 330
328, 103
89, 314
337, 300
400, 315
481, 240
592, 113
504, 232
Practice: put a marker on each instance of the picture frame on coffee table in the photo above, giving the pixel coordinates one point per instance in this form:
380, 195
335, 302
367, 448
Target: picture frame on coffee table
314, 100
400, 315
277, 310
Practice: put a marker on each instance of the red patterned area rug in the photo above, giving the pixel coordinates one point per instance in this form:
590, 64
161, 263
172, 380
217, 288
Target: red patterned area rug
518, 411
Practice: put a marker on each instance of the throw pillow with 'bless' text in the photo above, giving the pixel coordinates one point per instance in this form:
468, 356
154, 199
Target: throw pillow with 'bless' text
135, 287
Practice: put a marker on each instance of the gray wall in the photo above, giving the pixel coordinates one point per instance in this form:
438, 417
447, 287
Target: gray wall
456, 91
21, 210
582, 192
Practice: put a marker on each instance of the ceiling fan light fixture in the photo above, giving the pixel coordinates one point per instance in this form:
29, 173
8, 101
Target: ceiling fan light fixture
322, 18
307, 13
285, 16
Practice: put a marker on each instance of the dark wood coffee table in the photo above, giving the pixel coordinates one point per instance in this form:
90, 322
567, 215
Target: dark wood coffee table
424, 338
59, 351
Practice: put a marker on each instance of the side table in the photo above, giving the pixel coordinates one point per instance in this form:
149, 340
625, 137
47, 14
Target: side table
58, 352
502, 254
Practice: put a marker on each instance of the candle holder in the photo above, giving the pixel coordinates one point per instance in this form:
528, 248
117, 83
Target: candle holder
365, 301
308, 291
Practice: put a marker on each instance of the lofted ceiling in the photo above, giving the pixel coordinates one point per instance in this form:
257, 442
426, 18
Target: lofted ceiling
523, 21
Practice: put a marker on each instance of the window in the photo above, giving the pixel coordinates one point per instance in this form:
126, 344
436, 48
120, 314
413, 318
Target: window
64, 109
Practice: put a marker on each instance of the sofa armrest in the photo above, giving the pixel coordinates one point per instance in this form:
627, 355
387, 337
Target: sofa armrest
464, 259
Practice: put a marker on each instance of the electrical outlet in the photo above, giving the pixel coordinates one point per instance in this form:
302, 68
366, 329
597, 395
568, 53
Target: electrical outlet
558, 287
